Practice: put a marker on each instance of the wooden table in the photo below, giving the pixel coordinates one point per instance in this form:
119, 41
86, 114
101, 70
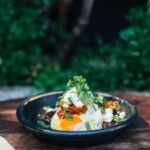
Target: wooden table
136, 137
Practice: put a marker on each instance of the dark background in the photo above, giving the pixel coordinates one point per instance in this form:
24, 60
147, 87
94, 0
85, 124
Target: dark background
107, 18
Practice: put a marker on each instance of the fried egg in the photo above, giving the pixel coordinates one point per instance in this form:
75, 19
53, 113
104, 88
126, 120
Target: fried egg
93, 116
72, 94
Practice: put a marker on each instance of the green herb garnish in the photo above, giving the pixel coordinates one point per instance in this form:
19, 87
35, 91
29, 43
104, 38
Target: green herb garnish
70, 100
61, 97
58, 104
94, 108
102, 108
87, 125
68, 116
42, 124
118, 119
82, 89
99, 100
79, 82
86, 97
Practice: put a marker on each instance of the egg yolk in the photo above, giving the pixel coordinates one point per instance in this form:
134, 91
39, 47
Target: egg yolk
68, 125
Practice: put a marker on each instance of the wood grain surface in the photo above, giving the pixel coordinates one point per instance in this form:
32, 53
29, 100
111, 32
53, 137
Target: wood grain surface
135, 137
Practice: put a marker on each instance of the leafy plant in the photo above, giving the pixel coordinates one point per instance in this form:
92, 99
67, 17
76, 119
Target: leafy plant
122, 64
31, 44
20, 35
26, 35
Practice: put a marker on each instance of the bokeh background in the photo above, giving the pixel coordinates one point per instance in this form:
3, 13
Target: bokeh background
113, 52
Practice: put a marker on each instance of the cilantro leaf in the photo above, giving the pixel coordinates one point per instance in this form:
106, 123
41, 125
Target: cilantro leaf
57, 104
43, 124
94, 108
79, 82
70, 100
61, 97
82, 89
86, 97
118, 119
68, 116
87, 125
100, 101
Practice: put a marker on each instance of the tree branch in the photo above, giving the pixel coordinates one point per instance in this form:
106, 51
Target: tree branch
78, 30
148, 5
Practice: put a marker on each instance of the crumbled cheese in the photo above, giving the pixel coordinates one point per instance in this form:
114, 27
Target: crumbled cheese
122, 114
72, 94
108, 115
75, 99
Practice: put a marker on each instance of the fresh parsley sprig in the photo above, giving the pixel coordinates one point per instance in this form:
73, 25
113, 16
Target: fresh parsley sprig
43, 124
79, 83
100, 101
70, 100
118, 119
86, 97
82, 89
61, 97
87, 125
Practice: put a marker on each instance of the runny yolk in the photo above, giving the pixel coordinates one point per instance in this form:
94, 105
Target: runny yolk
68, 125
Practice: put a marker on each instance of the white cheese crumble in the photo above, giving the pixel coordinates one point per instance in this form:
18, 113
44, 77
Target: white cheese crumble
72, 94
122, 114
108, 115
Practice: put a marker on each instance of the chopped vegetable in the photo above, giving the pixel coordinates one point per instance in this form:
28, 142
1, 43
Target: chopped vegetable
87, 125
57, 104
118, 119
43, 124
82, 89
94, 107
70, 101
112, 104
68, 116
79, 82
86, 97
99, 100
61, 97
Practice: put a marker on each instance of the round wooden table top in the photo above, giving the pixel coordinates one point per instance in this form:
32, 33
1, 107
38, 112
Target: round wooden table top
135, 137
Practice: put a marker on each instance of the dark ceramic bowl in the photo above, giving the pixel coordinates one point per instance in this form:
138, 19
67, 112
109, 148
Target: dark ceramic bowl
28, 110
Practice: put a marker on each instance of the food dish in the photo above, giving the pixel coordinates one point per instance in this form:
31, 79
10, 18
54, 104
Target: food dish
28, 110
80, 110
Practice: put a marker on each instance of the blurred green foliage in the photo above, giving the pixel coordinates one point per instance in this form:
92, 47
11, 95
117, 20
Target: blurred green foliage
21, 31
124, 64
25, 33
29, 51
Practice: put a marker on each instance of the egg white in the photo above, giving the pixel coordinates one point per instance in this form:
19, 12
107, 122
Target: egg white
93, 116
